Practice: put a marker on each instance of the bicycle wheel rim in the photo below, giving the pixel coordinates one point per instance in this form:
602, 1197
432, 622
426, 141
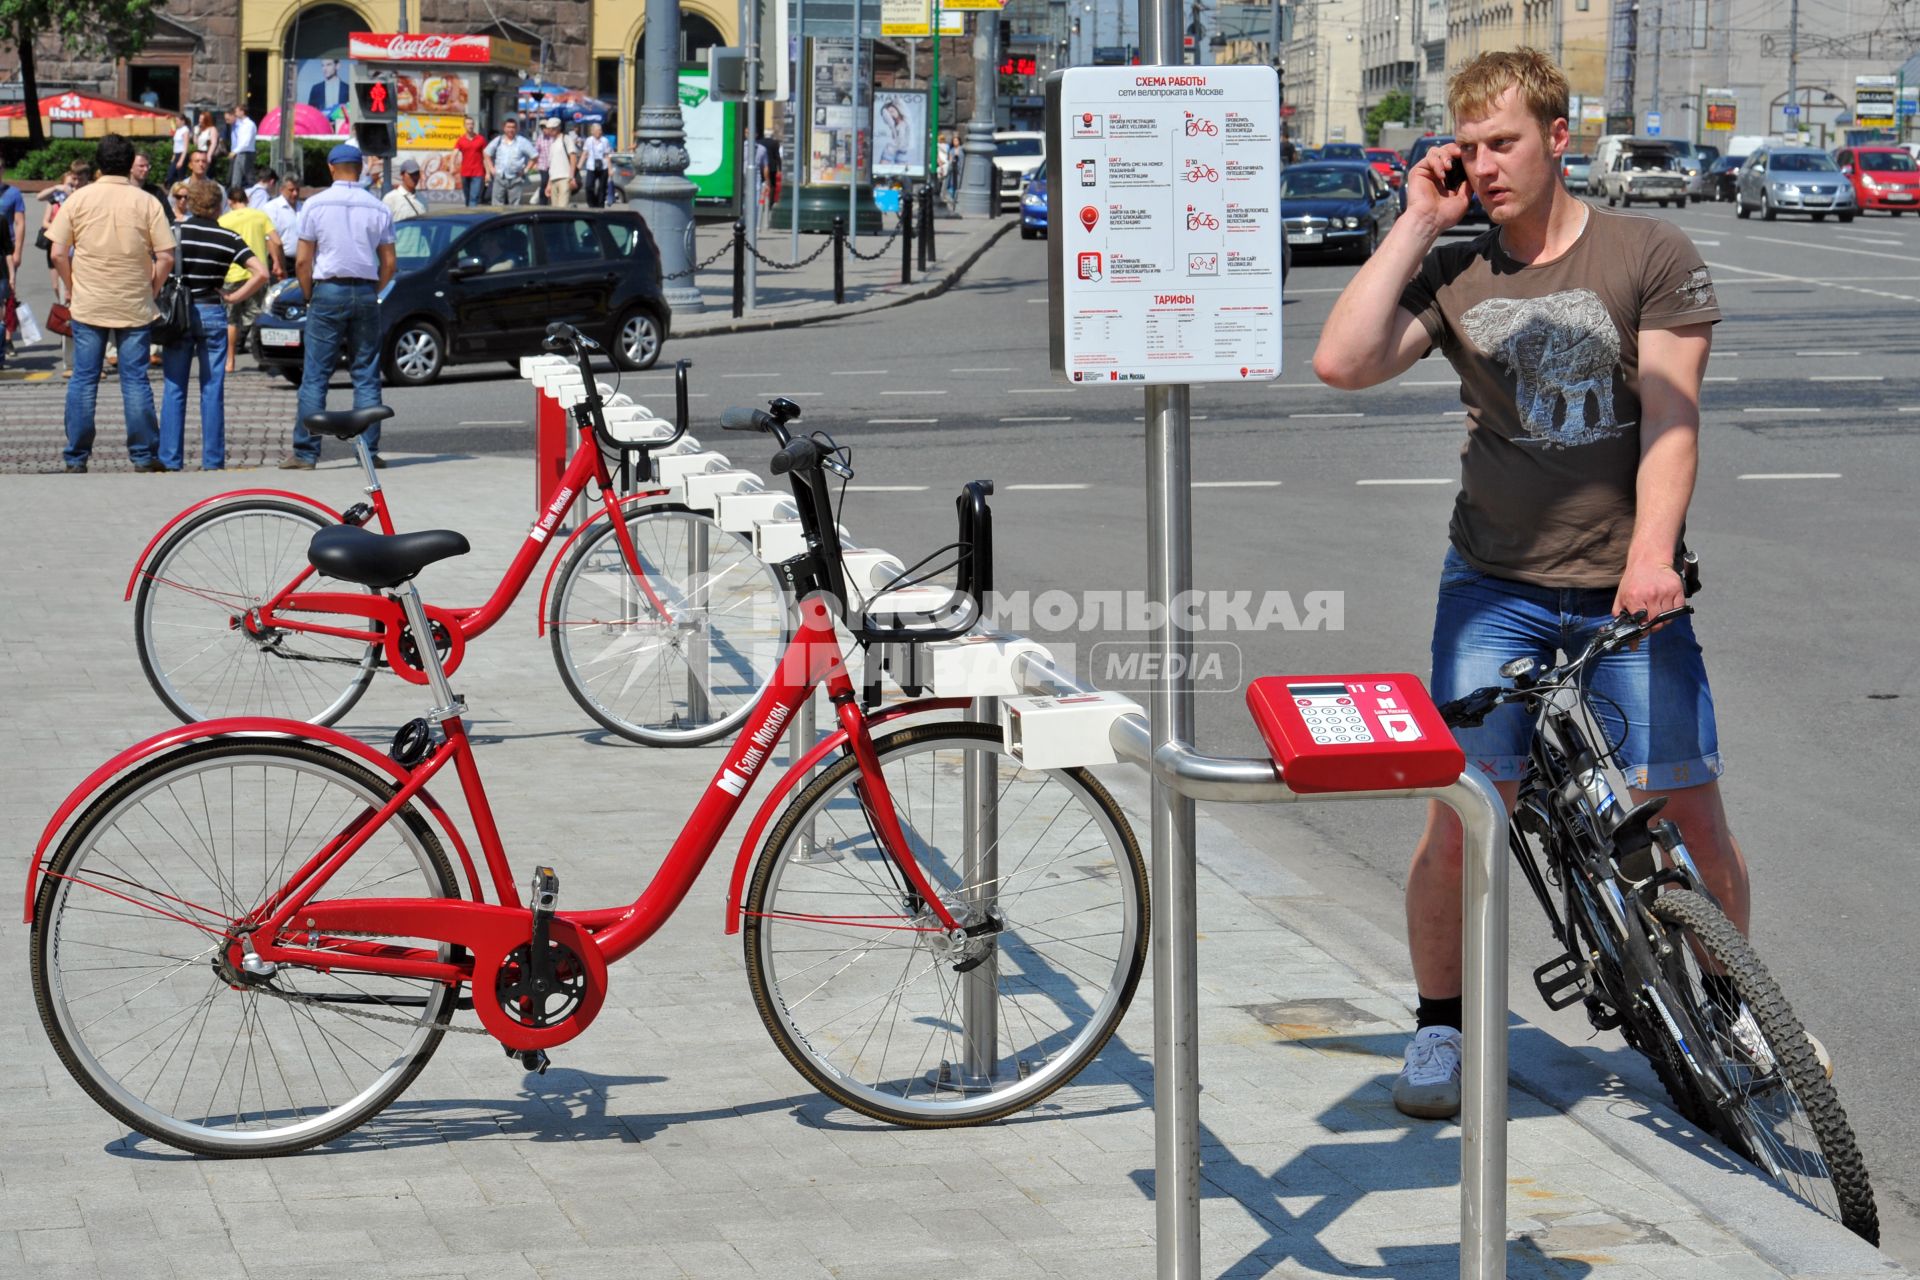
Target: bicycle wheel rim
1053, 1014
1781, 1114
124, 956
690, 676
204, 666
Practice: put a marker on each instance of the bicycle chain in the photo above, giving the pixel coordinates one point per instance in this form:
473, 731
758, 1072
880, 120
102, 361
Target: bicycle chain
296, 997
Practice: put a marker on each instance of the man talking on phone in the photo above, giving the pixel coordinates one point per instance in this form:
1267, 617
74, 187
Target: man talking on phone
1580, 337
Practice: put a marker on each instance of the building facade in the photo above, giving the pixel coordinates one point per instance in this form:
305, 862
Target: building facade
1322, 59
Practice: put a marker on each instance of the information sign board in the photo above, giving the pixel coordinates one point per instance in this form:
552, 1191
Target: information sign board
1164, 198
1873, 101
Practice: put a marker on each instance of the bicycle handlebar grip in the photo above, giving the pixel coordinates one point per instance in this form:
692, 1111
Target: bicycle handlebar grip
800, 455
746, 420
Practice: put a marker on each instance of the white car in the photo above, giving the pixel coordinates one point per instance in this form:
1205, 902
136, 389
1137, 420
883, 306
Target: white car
1017, 155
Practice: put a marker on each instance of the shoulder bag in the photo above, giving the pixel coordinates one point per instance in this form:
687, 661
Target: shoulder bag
174, 304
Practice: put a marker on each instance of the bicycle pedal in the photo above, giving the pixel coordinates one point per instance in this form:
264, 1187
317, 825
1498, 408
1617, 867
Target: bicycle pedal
544, 894
1561, 974
534, 1060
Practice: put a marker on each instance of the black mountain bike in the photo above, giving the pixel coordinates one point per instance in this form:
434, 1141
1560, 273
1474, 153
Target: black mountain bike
1650, 953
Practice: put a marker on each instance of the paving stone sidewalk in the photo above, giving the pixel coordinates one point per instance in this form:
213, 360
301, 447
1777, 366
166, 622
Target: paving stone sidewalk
672, 1140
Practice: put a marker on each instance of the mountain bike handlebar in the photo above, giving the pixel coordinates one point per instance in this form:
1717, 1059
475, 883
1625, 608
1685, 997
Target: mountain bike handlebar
1471, 710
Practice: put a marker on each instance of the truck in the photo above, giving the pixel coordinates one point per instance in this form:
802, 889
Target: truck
1627, 168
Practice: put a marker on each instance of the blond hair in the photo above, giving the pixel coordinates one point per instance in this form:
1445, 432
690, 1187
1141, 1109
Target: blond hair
1473, 90
204, 198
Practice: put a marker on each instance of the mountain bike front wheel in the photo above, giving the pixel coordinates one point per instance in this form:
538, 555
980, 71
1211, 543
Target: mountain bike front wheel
1775, 1107
203, 654
888, 1013
134, 945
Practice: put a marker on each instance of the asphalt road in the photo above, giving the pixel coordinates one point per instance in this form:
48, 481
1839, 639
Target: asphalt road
1804, 517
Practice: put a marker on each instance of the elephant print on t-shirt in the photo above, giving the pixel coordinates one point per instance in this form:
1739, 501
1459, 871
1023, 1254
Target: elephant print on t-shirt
1562, 350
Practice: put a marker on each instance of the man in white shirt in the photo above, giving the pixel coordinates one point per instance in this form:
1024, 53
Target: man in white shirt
260, 194
245, 132
404, 200
596, 164
284, 209
509, 157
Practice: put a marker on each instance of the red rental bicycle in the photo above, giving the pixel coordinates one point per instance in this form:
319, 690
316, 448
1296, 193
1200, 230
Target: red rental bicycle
251, 937
665, 627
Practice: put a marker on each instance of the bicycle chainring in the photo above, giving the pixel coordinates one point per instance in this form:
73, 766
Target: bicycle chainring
513, 986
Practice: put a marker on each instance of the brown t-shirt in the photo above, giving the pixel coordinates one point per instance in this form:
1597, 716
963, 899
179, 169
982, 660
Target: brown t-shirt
1549, 361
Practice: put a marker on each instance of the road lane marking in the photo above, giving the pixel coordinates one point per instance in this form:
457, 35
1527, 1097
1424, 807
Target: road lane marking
1326, 415
1046, 486
1036, 419
1236, 484
1910, 408
506, 422
913, 393
1773, 409
1826, 353
1434, 480
900, 422
1834, 248
985, 369
1039, 391
1848, 377
1714, 243
1773, 277
1791, 475
886, 488
1455, 413
1725, 377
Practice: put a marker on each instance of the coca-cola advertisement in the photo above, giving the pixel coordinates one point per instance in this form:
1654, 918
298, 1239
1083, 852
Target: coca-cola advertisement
389, 46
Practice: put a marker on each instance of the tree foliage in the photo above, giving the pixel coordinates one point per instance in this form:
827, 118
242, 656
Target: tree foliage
1394, 106
84, 27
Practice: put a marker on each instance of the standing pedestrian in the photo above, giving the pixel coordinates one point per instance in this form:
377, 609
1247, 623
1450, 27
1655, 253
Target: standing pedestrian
284, 209
78, 175
255, 228
206, 138
137, 176
111, 249
596, 161
345, 259
404, 201
560, 181
208, 251
182, 147
473, 164
542, 157
262, 190
244, 134
13, 236
509, 157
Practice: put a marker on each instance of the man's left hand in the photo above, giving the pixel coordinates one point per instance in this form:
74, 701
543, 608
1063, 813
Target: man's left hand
1655, 588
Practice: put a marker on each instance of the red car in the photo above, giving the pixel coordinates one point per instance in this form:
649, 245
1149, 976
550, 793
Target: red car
1884, 178
1389, 164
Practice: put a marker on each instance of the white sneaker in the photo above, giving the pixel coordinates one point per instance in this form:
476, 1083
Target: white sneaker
1429, 1083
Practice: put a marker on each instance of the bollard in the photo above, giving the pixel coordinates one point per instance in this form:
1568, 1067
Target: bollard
926, 227
906, 238
739, 268
839, 258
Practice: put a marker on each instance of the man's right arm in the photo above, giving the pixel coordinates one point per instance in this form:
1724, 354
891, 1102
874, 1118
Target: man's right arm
1370, 337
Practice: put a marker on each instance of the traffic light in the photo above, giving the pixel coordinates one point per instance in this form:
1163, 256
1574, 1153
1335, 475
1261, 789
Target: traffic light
374, 116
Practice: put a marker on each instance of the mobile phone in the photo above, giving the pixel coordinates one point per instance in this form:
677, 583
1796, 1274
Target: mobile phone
1456, 174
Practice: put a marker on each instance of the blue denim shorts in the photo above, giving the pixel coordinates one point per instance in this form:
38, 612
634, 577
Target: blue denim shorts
1656, 695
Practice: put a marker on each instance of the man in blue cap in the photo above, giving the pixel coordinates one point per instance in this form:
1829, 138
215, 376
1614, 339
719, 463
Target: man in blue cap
344, 261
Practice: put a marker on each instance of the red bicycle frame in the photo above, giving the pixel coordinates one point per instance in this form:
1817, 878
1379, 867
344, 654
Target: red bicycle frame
292, 609
292, 928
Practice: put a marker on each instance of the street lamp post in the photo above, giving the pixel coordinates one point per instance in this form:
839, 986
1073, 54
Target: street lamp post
661, 193
976, 195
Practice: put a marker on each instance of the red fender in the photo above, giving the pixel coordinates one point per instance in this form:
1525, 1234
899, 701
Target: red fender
236, 727
560, 556
146, 553
790, 778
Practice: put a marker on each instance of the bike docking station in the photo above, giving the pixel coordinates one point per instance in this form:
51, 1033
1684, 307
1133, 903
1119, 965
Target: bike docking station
1165, 270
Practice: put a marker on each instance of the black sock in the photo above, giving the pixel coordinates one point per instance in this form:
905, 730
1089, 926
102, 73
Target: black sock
1437, 1013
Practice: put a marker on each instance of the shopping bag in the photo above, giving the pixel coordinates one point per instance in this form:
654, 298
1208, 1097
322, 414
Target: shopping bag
29, 327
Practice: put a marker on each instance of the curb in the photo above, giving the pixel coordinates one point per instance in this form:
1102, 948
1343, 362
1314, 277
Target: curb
1792, 1238
931, 288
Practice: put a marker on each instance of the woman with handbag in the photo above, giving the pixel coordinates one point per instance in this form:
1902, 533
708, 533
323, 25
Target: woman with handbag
78, 175
206, 251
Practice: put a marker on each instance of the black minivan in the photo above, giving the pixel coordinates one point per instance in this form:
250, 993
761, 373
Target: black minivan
476, 285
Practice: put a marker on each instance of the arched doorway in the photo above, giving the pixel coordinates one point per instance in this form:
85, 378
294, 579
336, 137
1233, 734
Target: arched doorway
316, 56
697, 35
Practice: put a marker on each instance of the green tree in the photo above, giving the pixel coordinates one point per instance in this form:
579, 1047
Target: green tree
120, 27
1395, 106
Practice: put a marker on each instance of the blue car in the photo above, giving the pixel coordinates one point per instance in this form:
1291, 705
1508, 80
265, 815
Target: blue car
1336, 206
1033, 208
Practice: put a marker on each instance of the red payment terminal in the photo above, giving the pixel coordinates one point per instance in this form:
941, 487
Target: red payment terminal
1355, 733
